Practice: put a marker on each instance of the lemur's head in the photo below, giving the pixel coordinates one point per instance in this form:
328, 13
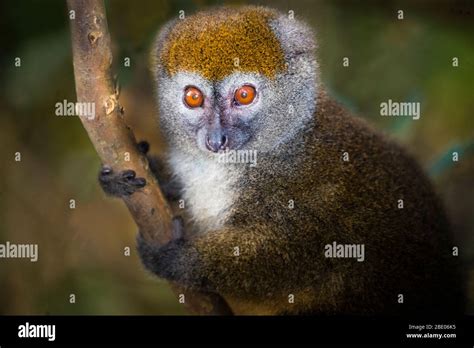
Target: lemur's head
234, 78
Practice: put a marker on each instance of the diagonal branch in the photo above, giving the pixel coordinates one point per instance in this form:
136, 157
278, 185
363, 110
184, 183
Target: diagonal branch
112, 139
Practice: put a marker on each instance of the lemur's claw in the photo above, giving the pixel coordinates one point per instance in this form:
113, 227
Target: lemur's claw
143, 147
105, 170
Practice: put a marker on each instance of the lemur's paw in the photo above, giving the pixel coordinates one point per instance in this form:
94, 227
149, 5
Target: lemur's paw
143, 147
119, 184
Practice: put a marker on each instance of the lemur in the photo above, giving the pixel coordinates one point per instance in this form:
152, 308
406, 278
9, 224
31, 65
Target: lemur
247, 79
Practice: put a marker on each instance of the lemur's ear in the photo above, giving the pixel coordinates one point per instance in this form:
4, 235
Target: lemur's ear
156, 65
295, 36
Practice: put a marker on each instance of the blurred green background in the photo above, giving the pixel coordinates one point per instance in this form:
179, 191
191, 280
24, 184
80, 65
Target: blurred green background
81, 251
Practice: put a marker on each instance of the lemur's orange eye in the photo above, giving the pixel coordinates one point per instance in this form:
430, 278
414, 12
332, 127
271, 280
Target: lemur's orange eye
245, 95
193, 97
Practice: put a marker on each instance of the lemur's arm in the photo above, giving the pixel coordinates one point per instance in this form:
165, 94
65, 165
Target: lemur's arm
169, 184
230, 260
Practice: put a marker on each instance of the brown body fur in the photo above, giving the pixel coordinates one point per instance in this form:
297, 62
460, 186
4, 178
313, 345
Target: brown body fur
408, 251
281, 250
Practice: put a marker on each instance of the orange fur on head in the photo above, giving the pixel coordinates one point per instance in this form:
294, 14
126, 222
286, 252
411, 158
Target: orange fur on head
219, 42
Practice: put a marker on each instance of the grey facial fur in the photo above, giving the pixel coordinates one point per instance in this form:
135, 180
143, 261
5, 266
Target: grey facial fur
282, 105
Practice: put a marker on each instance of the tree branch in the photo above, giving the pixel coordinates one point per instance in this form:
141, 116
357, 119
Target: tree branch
113, 140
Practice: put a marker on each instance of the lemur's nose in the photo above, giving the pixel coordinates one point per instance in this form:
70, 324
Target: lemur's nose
216, 141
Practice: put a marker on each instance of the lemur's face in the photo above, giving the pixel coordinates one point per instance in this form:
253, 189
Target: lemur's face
218, 114
227, 80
